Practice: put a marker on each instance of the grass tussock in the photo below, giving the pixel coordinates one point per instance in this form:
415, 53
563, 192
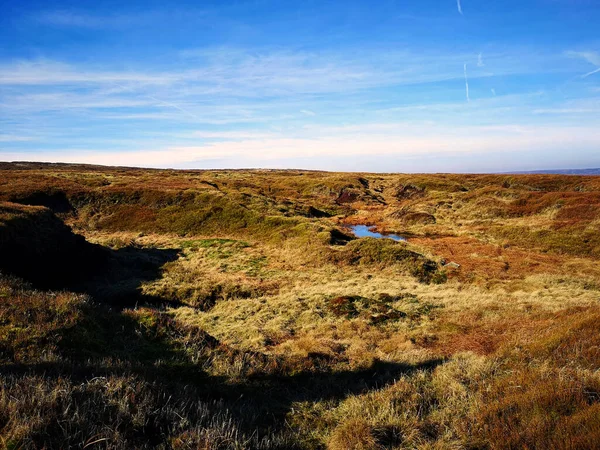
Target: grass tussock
385, 252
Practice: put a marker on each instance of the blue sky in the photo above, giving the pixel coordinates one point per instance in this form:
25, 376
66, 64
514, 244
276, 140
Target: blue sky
427, 86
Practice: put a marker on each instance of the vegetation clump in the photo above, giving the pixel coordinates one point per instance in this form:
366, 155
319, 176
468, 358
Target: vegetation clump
385, 252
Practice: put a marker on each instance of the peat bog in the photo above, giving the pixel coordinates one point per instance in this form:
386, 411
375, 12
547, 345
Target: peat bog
237, 310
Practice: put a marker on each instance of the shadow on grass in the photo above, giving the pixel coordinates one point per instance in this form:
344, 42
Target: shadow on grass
152, 349
121, 273
109, 276
149, 346
271, 397
38, 247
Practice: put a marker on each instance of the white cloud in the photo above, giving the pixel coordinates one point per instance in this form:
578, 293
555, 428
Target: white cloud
15, 138
567, 111
56, 101
239, 72
265, 89
73, 19
232, 135
584, 106
45, 72
395, 140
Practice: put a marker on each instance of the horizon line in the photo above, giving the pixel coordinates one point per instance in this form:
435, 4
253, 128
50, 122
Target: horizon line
571, 172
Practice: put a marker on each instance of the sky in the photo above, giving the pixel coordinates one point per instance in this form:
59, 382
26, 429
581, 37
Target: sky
381, 86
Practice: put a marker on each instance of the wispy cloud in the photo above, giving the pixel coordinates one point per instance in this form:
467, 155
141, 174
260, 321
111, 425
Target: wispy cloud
562, 111
467, 84
459, 7
56, 101
165, 103
240, 96
77, 18
588, 107
232, 135
15, 138
590, 56
239, 71
382, 139
46, 72
65, 18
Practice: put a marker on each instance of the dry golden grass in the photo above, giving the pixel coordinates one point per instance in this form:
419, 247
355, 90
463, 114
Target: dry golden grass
239, 317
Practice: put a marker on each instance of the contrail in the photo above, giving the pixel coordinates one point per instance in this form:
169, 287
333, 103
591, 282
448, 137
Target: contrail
480, 60
458, 5
467, 84
591, 73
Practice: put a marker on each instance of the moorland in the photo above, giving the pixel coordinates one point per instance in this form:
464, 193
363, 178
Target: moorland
234, 309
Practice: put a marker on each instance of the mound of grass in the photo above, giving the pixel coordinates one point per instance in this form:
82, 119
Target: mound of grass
385, 252
372, 251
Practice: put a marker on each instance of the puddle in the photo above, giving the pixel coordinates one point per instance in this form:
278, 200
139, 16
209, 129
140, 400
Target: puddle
364, 231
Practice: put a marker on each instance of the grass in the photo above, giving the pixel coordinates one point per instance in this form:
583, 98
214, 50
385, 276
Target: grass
32, 323
230, 309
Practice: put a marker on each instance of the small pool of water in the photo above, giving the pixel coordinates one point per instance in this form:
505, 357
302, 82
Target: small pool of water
364, 231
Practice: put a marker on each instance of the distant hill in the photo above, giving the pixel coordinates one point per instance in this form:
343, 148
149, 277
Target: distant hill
561, 172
